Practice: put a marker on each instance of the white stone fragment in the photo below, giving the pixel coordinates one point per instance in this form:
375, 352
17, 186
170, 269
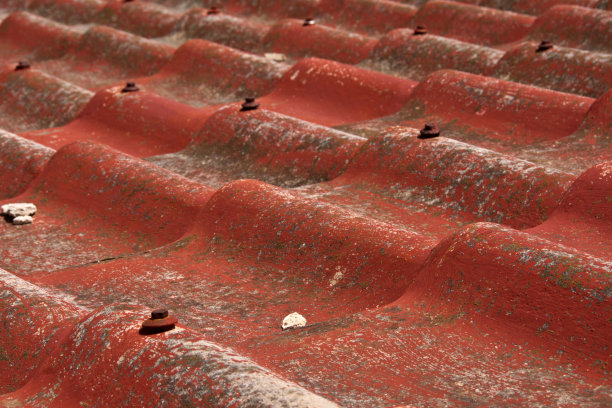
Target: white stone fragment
275, 56
22, 220
18, 209
293, 320
337, 278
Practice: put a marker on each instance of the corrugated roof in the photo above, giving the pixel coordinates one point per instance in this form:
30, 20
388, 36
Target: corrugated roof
466, 262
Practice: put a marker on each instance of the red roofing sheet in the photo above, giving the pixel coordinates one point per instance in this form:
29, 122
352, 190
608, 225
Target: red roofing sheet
234, 162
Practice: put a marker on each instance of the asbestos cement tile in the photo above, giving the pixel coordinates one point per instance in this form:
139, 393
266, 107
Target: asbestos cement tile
297, 39
21, 161
262, 145
575, 27
487, 26
105, 55
534, 7
46, 328
437, 186
230, 30
203, 73
488, 112
137, 123
31, 99
560, 68
95, 203
402, 53
45, 39
482, 324
490, 324
251, 239
469, 268
329, 93
141, 18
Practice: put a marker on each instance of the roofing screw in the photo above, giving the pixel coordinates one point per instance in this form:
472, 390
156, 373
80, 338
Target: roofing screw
430, 130
130, 87
159, 314
158, 323
212, 10
544, 46
249, 104
22, 65
308, 22
420, 30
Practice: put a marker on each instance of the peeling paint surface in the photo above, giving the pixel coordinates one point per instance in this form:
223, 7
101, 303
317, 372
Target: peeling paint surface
309, 203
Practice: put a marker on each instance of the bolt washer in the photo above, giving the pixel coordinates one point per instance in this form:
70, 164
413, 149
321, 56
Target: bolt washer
158, 323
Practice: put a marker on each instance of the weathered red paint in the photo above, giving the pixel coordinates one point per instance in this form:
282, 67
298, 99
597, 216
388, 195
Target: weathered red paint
226, 29
292, 38
340, 263
272, 8
66, 11
20, 162
105, 55
583, 218
94, 203
364, 16
489, 112
453, 308
56, 336
402, 253
369, 16
46, 38
33, 325
138, 123
262, 145
575, 27
480, 316
588, 145
534, 7
31, 99
560, 68
469, 23
402, 53
446, 183
142, 18
331, 94
204, 73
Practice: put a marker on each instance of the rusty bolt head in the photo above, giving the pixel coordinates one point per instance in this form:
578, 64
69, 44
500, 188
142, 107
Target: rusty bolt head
308, 22
212, 10
430, 130
544, 46
158, 323
249, 104
21, 65
420, 30
159, 314
130, 87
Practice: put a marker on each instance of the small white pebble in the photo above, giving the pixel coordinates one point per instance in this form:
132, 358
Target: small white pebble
337, 278
276, 57
293, 320
22, 219
18, 209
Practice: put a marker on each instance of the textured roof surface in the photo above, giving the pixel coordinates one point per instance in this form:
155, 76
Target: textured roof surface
469, 269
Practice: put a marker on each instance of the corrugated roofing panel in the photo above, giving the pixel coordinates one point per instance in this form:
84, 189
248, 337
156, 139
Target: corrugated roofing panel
427, 183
